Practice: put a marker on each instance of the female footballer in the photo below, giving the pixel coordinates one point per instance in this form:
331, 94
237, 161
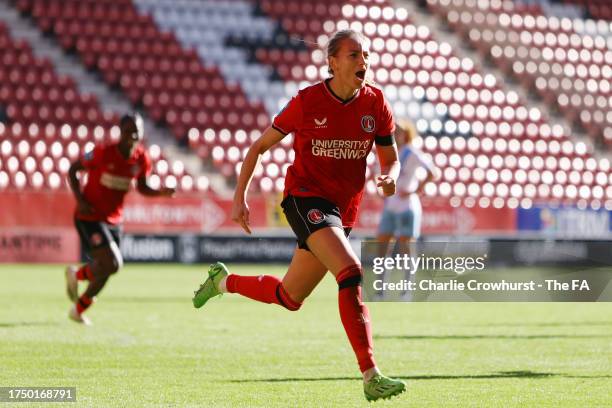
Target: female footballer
335, 123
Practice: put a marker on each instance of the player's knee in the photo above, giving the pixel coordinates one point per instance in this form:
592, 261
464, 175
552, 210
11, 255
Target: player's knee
107, 268
110, 264
113, 268
115, 264
285, 300
349, 277
116, 258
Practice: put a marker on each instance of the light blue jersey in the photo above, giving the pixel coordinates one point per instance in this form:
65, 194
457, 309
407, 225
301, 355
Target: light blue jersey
402, 215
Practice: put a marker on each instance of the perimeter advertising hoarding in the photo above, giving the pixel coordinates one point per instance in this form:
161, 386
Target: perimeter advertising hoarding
195, 213
439, 217
37, 227
30, 244
29, 218
192, 213
566, 221
206, 249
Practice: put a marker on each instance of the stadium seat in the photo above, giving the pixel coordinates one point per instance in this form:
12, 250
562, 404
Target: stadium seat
545, 54
214, 72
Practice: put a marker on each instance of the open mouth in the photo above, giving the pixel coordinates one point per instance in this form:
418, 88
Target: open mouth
360, 74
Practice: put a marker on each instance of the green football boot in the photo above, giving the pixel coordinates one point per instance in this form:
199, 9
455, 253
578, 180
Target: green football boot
210, 288
381, 387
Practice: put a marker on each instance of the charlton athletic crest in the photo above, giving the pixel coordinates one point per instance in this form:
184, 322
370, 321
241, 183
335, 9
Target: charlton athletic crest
315, 216
367, 123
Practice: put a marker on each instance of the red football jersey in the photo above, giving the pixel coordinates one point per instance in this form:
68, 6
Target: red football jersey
332, 140
109, 179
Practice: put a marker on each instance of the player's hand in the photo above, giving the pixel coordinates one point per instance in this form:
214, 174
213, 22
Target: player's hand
167, 191
387, 184
240, 214
84, 207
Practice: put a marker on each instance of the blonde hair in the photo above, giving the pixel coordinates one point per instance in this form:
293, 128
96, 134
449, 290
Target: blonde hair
407, 129
333, 45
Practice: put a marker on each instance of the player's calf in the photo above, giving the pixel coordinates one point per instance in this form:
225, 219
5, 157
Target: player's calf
263, 288
72, 283
285, 300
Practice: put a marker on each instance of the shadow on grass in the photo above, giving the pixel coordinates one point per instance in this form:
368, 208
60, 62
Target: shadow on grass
502, 374
26, 324
493, 336
544, 324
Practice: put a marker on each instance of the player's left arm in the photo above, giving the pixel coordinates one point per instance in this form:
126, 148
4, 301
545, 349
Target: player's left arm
146, 190
387, 150
389, 168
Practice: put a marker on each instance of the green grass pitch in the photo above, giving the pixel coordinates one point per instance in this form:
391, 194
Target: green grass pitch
150, 348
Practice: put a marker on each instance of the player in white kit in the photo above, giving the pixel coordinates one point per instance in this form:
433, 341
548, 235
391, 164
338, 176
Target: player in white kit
401, 217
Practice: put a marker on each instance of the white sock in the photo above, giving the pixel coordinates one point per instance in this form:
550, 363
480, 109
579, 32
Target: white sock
222, 288
369, 373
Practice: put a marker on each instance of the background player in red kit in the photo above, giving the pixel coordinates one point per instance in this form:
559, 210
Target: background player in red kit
335, 123
110, 169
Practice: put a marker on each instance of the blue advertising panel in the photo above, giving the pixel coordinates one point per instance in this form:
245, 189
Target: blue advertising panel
566, 221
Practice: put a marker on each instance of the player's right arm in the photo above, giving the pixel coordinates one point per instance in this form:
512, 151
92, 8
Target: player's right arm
240, 209
83, 206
